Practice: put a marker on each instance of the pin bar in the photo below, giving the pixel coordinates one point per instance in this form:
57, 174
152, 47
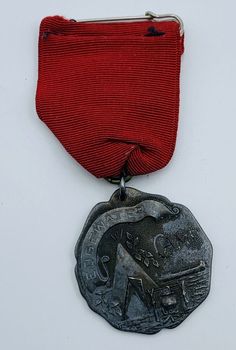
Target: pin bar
147, 17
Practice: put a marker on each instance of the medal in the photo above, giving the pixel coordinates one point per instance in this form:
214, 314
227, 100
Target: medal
109, 91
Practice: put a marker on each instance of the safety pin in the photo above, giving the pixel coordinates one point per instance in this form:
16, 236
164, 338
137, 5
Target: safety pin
148, 16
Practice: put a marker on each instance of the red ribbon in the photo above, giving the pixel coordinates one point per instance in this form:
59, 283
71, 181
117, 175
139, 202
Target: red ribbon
110, 92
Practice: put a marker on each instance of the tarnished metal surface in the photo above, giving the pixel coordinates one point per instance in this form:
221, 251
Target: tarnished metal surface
143, 263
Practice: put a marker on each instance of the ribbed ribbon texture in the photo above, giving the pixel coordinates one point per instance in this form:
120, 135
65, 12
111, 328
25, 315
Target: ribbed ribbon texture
110, 92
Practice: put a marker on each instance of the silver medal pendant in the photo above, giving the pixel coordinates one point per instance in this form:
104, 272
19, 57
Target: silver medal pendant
143, 263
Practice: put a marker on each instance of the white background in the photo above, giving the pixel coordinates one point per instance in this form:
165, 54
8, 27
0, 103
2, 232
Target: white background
45, 195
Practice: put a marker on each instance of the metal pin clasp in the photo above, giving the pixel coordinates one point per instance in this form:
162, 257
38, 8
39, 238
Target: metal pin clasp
149, 16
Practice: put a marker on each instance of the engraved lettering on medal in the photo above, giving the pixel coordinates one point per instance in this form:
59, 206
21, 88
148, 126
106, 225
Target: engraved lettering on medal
89, 250
90, 275
88, 263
